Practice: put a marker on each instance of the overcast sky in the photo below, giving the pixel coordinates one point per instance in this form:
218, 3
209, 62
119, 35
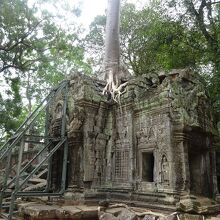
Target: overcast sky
91, 8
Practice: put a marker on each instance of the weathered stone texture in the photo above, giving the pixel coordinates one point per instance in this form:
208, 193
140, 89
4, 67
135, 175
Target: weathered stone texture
157, 144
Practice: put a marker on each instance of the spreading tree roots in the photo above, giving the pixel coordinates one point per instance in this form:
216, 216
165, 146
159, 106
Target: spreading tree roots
114, 87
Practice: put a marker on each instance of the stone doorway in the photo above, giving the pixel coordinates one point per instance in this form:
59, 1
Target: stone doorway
148, 166
200, 173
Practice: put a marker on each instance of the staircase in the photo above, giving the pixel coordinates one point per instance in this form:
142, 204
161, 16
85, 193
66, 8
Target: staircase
31, 177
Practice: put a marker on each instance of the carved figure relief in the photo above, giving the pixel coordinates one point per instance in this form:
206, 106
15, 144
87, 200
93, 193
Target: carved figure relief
58, 111
164, 170
77, 119
146, 134
121, 135
55, 118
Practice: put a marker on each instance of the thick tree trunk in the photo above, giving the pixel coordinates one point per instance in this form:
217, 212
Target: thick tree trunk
112, 52
112, 48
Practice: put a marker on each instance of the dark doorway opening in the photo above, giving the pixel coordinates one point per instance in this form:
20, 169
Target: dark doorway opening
200, 173
148, 166
218, 169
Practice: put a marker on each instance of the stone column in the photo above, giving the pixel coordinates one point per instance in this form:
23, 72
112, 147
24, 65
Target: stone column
74, 174
181, 175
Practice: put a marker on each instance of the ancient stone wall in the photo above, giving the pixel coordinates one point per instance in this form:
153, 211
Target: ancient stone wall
158, 140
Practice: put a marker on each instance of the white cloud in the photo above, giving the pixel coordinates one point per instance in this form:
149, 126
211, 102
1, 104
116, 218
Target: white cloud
92, 8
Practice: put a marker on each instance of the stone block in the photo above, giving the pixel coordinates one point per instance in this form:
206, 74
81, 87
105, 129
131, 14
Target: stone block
40, 211
69, 212
107, 216
126, 214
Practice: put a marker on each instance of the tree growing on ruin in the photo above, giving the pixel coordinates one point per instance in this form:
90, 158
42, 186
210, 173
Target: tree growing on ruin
112, 51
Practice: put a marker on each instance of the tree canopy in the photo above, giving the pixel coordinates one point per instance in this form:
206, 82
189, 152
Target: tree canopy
202, 20
37, 51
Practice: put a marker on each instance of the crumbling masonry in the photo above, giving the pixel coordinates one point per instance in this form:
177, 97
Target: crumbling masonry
154, 148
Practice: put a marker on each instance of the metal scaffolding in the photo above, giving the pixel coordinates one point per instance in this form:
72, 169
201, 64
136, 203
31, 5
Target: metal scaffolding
50, 146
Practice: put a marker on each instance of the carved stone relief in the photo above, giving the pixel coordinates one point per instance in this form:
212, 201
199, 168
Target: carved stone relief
148, 131
77, 118
165, 169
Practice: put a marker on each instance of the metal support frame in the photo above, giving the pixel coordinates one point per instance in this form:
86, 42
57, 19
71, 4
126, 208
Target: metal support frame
50, 159
28, 164
17, 177
20, 136
29, 120
7, 170
65, 150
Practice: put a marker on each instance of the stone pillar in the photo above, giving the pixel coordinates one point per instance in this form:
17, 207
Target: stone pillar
181, 175
75, 142
95, 142
214, 176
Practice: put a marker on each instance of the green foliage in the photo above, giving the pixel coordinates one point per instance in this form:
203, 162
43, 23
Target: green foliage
32, 43
149, 41
94, 41
154, 42
37, 50
10, 108
202, 19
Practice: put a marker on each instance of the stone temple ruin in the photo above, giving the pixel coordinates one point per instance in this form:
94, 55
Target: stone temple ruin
155, 148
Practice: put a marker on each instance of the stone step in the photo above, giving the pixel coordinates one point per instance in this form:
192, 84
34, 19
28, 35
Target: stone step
213, 218
36, 211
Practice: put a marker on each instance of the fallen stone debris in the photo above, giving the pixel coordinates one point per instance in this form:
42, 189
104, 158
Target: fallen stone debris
42, 209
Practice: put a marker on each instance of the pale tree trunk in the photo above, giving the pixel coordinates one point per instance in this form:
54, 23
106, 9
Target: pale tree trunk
112, 51
112, 54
